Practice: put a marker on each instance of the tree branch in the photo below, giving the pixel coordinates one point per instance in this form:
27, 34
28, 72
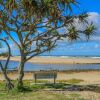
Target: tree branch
9, 54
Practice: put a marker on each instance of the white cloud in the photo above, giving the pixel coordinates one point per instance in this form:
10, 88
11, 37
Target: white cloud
97, 46
95, 18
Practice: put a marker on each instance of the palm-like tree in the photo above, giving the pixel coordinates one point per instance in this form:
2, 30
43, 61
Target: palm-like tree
37, 22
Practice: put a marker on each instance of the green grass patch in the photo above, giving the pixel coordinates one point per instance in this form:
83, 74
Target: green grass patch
36, 91
48, 86
56, 86
75, 96
42, 81
38, 86
40, 95
71, 81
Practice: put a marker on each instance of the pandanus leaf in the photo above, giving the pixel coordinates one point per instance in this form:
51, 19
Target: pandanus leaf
90, 29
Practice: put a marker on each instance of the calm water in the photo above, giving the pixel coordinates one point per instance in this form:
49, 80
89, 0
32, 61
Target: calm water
37, 67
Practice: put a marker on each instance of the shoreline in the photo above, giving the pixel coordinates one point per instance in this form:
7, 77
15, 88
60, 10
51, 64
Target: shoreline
59, 60
62, 71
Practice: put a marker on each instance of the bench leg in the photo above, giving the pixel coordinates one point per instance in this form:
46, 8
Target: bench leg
54, 80
35, 79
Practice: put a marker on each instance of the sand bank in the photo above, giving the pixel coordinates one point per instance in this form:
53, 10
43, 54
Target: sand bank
59, 60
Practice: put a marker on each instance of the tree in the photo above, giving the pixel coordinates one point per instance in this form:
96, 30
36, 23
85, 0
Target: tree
4, 68
4, 54
35, 24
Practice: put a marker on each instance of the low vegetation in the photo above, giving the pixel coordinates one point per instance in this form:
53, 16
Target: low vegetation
50, 91
4, 54
47, 95
71, 81
44, 95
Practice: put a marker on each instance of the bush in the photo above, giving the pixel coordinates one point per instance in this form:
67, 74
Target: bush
56, 86
38, 86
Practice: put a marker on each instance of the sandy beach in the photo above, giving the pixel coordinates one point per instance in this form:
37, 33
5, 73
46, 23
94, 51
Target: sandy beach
88, 77
59, 60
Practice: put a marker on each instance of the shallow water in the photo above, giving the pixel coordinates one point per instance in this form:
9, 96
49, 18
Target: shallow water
37, 67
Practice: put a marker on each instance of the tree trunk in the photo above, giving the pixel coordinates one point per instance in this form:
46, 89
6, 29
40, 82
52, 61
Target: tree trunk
9, 84
21, 72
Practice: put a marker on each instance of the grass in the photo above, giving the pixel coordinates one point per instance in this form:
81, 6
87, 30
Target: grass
32, 96
71, 81
43, 91
75, 96
39, 95
47, 95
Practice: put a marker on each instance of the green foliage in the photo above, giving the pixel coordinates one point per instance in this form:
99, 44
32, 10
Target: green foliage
42, 81
38, 87
33, 92
56, 86
21, 89
73, 34
90, 30
4, 54
2, 85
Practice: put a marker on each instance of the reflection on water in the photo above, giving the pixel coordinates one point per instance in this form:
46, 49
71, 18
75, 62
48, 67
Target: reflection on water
36, 67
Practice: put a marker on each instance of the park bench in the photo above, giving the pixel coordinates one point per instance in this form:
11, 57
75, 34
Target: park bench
45, 75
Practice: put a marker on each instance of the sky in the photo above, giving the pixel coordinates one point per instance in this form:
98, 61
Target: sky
83, 48
79, 48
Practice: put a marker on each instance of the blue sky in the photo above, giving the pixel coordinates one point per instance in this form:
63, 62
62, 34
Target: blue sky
84, 48
90, 5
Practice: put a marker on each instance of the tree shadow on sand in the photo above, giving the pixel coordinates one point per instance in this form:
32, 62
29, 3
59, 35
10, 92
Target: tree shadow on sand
94, 88
71, 87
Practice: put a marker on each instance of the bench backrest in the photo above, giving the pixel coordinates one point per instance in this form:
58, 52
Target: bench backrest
45, 75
